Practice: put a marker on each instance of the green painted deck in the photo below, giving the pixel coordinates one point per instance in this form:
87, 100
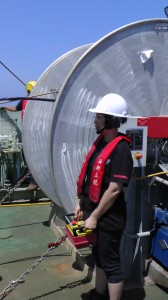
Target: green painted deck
23, 240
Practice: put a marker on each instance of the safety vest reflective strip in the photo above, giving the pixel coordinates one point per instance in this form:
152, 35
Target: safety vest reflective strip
98, 168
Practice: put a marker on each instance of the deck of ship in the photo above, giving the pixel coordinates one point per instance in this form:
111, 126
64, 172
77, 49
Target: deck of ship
24, 238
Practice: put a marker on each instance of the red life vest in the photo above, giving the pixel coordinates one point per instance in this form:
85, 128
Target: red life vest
24, 102
98, 168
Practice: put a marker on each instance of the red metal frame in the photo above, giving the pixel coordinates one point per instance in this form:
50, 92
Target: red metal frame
157, 126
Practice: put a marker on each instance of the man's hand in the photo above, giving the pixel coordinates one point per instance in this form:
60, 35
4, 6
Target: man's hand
78, 212
91, 222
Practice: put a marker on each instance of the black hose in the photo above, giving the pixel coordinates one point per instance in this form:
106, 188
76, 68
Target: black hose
5, 100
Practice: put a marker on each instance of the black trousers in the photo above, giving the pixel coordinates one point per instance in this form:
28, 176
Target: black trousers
107, 254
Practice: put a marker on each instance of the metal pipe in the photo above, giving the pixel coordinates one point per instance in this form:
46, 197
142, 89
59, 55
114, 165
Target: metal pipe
139, 234
161, 180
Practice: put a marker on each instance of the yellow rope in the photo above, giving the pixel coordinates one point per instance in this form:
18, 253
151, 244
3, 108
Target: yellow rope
37, 95
25, 204
151, 175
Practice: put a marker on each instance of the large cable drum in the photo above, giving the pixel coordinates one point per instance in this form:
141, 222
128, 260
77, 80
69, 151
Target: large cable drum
131, 61
38, 117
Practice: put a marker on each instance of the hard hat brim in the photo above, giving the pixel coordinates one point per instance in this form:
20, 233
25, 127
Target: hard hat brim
95, 110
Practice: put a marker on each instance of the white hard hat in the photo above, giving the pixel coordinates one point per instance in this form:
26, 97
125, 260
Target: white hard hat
111, 104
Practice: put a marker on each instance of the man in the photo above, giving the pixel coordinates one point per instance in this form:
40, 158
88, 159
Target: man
105, 171
21, 106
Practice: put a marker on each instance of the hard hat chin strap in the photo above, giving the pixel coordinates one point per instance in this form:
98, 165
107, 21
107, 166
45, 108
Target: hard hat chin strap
101, 130
111, 122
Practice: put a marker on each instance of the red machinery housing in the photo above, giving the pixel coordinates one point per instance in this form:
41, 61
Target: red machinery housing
157, 126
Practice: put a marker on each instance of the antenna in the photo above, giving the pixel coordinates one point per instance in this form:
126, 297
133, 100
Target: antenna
12, 73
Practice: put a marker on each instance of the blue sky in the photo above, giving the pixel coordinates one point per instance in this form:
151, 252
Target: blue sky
35, 33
